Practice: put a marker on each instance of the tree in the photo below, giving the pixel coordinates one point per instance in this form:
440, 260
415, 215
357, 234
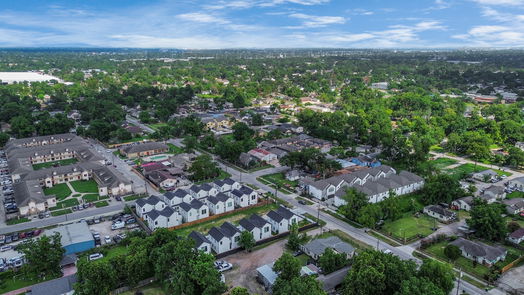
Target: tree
331, 261
247, 241
355, 201
452, 252
287, 267
513, 226
295, 239
298, 286
122, 134
190, 143
4, 138
438, 273
242, 132
95, 277
144, 117
257, 119
370, 215
239, 291
419, 286
43, 256
515, 157
21, 127
203, 168
487, 221
441, 188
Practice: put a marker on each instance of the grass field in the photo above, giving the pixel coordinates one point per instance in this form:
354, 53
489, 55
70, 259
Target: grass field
280, 180
515, 194
61, 191
65, 204
442, 163
436, 148
85, 186
233, 218
17, 221
173, 149
157, 126
61, 212
101, 204
54, 163
464, 170
152, 289
94, 198
409, 226
16, 281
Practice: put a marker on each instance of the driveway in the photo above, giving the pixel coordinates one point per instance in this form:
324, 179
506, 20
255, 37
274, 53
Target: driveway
513, 280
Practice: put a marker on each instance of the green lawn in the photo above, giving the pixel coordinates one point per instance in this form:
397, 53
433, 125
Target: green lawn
132, 198
233, 218
436, 148
8, 283
280, 180
515, 194
157, 126
173, 149
61, 191
93, 198
464, 170
54, 163
101, 204
409, 226
17, 221
85, 186
518, 220
65, 204
442, 163
152, 289
61, 212
465, 264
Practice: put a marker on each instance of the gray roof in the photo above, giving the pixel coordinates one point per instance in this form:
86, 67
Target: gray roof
252, 222
220, 197
479, 249
228, 229
185, 206
58, 286
268, 273
494, 189
196, 204
318, 246
198, 238
179, 193
216, 233
153, 200
166, 212
280, 214
147, 146
72, 233
27, 191
440, 210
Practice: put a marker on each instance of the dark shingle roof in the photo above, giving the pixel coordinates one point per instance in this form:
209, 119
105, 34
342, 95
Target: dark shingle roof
479, 249
196, 204
185, 206
228, 229
216, 233
179, 193
198, 238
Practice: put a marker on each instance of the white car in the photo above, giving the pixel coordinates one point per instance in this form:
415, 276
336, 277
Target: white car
223, 266
107, 239
387, 251
118, 225
95, 256
6, 248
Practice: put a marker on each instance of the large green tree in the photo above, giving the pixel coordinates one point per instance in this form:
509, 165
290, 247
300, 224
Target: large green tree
203, 168
43, 256
441, 188
487, 221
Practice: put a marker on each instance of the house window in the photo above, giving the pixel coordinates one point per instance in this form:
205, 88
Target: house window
253, 197
237, 238
266, 229
230, 204
204, 211
156, 222
220, 242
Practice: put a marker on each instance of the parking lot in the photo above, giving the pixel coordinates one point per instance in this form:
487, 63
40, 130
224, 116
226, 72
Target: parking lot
8, 200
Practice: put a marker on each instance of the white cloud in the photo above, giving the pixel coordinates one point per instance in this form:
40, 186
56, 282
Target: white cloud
501, 2
315, 21
199, 17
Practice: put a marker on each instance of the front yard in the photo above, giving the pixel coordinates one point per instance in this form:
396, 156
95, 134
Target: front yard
409, 227
515, 194
437, 250
442, 163
280, 180
85, 186
61, 191
464, 170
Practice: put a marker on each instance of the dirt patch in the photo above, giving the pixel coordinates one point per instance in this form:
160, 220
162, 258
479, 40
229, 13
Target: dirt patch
245, 265
104, 229
512, 280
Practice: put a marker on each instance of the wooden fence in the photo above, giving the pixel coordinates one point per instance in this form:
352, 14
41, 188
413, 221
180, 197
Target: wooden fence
512, 264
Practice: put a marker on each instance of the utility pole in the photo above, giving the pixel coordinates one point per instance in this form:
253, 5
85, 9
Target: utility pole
458, 283
378, 241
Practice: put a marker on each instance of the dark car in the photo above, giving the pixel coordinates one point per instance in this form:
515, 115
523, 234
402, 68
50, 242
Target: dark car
118, 198
8, 239
130, 220
14, 237
116, 216
37, 232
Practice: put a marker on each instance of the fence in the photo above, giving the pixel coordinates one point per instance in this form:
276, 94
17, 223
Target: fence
261, 203
512, 264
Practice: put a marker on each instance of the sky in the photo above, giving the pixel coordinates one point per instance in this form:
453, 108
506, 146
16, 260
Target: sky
212, 24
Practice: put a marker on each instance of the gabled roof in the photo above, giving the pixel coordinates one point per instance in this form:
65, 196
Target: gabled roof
216, 233
440, 210
280, 214
153, 200
179, 193
229, 230
142, 147
198, 238
253, 221
196, 204
318, 246
185, 206
246, 190
479, 249
519, 233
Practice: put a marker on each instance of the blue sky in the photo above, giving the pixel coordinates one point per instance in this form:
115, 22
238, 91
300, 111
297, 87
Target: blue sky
262, 23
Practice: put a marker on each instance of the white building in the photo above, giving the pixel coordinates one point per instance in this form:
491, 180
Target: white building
281, 219
258, 226
146, 205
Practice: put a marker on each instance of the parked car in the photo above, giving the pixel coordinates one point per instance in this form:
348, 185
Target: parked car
95, 256
130, 221
107, 239
223, 266
6, 248
37, 232
118, 225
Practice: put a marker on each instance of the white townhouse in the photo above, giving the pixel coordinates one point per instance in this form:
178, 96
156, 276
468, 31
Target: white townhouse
244, 197
177, 197
225, 185
464, 203
165, 218
258, 226
194, 210
220, 203
281, 219
146, 205
202, 191
224, 238
201, 242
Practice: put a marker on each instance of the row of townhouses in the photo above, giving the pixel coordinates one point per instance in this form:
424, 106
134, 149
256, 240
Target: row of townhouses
226, 237
28, 183
196, 203
376, 183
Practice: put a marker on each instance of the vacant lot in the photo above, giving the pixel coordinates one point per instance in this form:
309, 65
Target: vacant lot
409, 226
280, 180
442, 163
464, 170
465, 264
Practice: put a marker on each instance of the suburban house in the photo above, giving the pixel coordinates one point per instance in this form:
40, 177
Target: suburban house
480, 252
220, 203
517, 183
440, 213
216, 121
514, 206
376, 183
194, 210
178, 196
164, 218
316, 248
225, 185
366, 161
146, 205
202, 191
493, 193
262, 155
201, 242
293, 175
134, 130
517, 236
281, 219
464, 203
224, 238
244, 196
258, 226
133, 151
485, 175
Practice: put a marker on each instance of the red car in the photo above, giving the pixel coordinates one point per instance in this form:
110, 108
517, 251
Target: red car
37, 232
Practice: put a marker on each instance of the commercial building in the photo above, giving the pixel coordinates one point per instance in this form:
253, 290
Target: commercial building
75, 237
143, 149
